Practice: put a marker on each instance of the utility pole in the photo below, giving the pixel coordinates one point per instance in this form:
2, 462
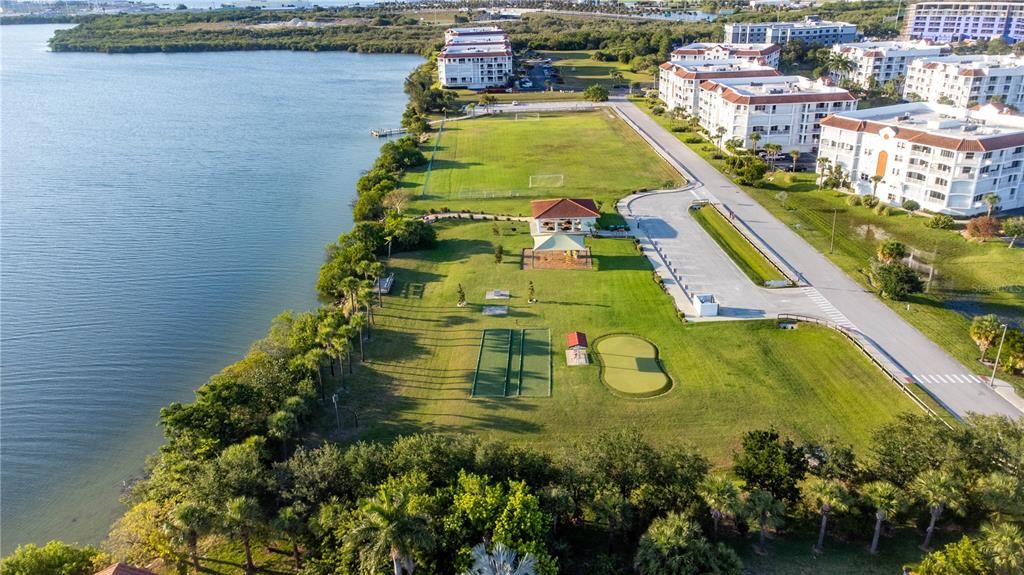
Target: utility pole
995, 366
832, 242
337, 417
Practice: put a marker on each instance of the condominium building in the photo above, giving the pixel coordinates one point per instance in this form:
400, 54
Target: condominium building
966, 80
475, 58
946, 158
812, 30
783, 110
452, 33
700, 51
959, 20
884, 61
679, 82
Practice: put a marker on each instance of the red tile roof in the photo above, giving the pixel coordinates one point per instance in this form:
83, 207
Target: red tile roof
124, 569
946, 142
576, 339
732, 96
564, 208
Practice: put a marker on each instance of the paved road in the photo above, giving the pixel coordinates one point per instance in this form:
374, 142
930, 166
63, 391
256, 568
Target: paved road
905, 348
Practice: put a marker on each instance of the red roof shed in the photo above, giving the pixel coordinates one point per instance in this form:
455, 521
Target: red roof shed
576, 339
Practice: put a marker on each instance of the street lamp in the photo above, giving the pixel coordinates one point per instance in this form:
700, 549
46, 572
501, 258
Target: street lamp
334, 398
992, 381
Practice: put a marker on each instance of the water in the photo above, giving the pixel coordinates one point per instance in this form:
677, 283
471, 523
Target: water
157, 212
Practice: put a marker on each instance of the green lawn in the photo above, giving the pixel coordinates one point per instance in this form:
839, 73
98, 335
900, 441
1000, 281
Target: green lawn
471, 97
486, 164
972, 278
728, 377
629, 365
751, 261
579, 70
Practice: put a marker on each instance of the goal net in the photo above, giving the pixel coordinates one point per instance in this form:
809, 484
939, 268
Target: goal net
547, 181
528, 116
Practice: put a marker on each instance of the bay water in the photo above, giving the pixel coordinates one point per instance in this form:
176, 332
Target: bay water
156, 212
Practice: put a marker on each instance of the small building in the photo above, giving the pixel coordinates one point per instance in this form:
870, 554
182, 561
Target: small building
559, 227
576, 348
124, 569
705, 304
576, 340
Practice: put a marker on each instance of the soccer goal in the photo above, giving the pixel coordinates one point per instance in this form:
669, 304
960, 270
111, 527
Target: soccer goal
528, 116
547, 181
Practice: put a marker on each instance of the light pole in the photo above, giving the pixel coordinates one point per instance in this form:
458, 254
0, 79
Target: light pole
832, 242
334, 398
992, 381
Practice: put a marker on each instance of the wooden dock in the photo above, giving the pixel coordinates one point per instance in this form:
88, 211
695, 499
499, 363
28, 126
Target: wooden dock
386, 132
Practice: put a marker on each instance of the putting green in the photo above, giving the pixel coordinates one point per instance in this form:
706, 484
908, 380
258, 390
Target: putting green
630, 366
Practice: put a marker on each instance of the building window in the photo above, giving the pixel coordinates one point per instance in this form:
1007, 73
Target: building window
936, 195
946, 154
941, 181
966, 170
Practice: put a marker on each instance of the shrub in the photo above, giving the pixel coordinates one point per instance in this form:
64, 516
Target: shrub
678, 128
870, 201
693, 139
658, 110
983, 227
718, 156
911, 206
853, 200
882, 210
940, 222
896, 280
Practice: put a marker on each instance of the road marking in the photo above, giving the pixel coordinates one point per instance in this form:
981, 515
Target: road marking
826, 307
955, 378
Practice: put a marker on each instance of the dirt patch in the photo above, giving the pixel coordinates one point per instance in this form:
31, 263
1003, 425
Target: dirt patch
556, 260
871, 233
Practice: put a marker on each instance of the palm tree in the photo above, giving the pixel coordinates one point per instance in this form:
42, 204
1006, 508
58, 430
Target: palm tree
940, 491
189, 521
823, 164
349, 287
501, 561
389, 526
891, 251
839, 64
719, 134
755, 137
772, 150
826, 497
795, 155
242, 518
376, 270
875, 180
328, 332
281, 425
991, 200
357, 322
721, 496
767, 511
887, 500
731, 145
1000, 495
1003, 543
292, 526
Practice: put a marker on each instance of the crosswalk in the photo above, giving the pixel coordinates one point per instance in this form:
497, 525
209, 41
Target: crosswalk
831, 313
963, 378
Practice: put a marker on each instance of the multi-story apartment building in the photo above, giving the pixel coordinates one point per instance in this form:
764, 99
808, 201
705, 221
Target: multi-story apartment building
945, 158
884, 61
959, 20
475, 58
783, 110
701, 51
679, 82
452, 33
966, 80
812, 30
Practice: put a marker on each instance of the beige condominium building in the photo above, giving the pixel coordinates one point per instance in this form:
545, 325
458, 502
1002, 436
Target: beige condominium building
946, 21
966, 80
701, 51
945, 158
679, 81
884, 61
475, 58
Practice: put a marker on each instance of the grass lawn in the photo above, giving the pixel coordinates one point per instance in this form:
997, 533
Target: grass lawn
579, 70
972, 278
755, 265
728, 377
471, 97
485, 164
629, 365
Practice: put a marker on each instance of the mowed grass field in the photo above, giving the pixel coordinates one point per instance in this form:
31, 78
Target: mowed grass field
580, 70
728, 377
753, 264
486, 163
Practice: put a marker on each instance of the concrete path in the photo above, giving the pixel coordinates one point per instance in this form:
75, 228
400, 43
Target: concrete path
834, 293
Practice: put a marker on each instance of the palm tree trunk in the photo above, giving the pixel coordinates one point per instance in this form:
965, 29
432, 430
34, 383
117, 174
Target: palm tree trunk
250, 568
296, 554
193, 551
762, 538
320, 380
879, 517
396, 561
350, 362
380, 293
935, 511
716, 515
362, 352
821, 531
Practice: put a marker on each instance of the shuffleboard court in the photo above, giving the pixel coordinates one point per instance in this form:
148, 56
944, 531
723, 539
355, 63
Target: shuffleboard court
492, 370
630, 366
535, 363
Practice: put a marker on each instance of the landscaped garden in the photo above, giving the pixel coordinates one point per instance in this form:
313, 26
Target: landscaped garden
971, 277
497, 164
747, 257
727, 377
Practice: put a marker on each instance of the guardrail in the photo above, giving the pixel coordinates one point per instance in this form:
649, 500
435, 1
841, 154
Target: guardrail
731, 219
902, 385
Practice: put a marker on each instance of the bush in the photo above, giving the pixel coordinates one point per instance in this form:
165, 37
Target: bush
693, 140
853, 200
870, 201
718, 156
940, 222
678, 129
882, 210
896, 280
911, 206
658, 110
983, 227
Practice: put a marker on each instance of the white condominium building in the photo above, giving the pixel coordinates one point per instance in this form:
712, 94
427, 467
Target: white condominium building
700, 51
958, 20
679, 82
812, 30
966, 80
475, 58
783, 110
945, 158
884, 61
452, 33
